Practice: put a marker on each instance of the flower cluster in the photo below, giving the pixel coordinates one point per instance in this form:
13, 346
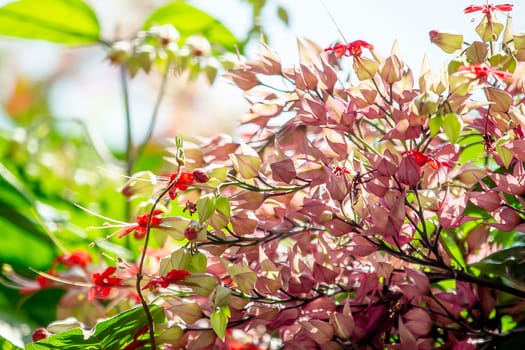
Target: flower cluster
372, 217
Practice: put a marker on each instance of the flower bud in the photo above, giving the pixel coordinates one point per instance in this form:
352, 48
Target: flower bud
191, 232
40, 334
447, 42
166, 34
145, 55
200, 175
119, 52
198, 45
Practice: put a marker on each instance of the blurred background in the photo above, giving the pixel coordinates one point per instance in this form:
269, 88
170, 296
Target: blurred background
62, 130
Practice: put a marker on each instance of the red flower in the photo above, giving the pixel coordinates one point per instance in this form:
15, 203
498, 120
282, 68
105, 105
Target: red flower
173, 276
488, 9
185, 180
340, 171
140, 227
76, 257
103, 282
423, 159
483, 72
355, 48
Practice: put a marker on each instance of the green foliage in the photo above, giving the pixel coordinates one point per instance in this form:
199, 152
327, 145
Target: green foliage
114, 333
70, 22
190, 21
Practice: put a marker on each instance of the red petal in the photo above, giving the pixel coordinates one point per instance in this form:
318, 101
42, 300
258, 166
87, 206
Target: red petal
504, 7
472, 8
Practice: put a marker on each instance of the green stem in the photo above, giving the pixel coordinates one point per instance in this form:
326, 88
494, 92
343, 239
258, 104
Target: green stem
154, 116
129, 139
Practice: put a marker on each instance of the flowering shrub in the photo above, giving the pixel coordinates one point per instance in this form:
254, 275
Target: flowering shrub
370, 212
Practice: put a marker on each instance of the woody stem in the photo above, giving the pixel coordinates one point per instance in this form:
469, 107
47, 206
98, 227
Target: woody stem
140, 275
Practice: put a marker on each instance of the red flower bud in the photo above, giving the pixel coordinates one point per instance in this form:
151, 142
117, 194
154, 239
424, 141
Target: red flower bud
40, 334
200, 175
190, 233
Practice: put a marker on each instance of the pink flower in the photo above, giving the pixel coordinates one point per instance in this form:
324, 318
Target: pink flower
355, 48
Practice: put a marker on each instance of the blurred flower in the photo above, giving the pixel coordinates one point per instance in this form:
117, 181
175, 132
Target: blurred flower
140, 227
173, 276
483, 72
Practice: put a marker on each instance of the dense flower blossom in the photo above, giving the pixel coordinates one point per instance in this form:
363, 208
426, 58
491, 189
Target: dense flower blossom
173, 276
423, 159
488, 9
103, 282
355, 48
483, 72
140, 227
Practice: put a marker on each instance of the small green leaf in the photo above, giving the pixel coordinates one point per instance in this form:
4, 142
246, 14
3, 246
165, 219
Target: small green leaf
222, 204
219, 320
452, 126
206, 206
180, 259
199, 263
505, 155
70, 22
507, 323
189, 20
435, 123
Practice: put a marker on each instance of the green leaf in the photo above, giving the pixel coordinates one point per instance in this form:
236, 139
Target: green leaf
189, 20
507, 323
452, 126
70, 22
114, 333
451, 247
506, 263
199, 263
505, 155
206, 206
435, 123
222, 204
20, 222
7, 345
219, 320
